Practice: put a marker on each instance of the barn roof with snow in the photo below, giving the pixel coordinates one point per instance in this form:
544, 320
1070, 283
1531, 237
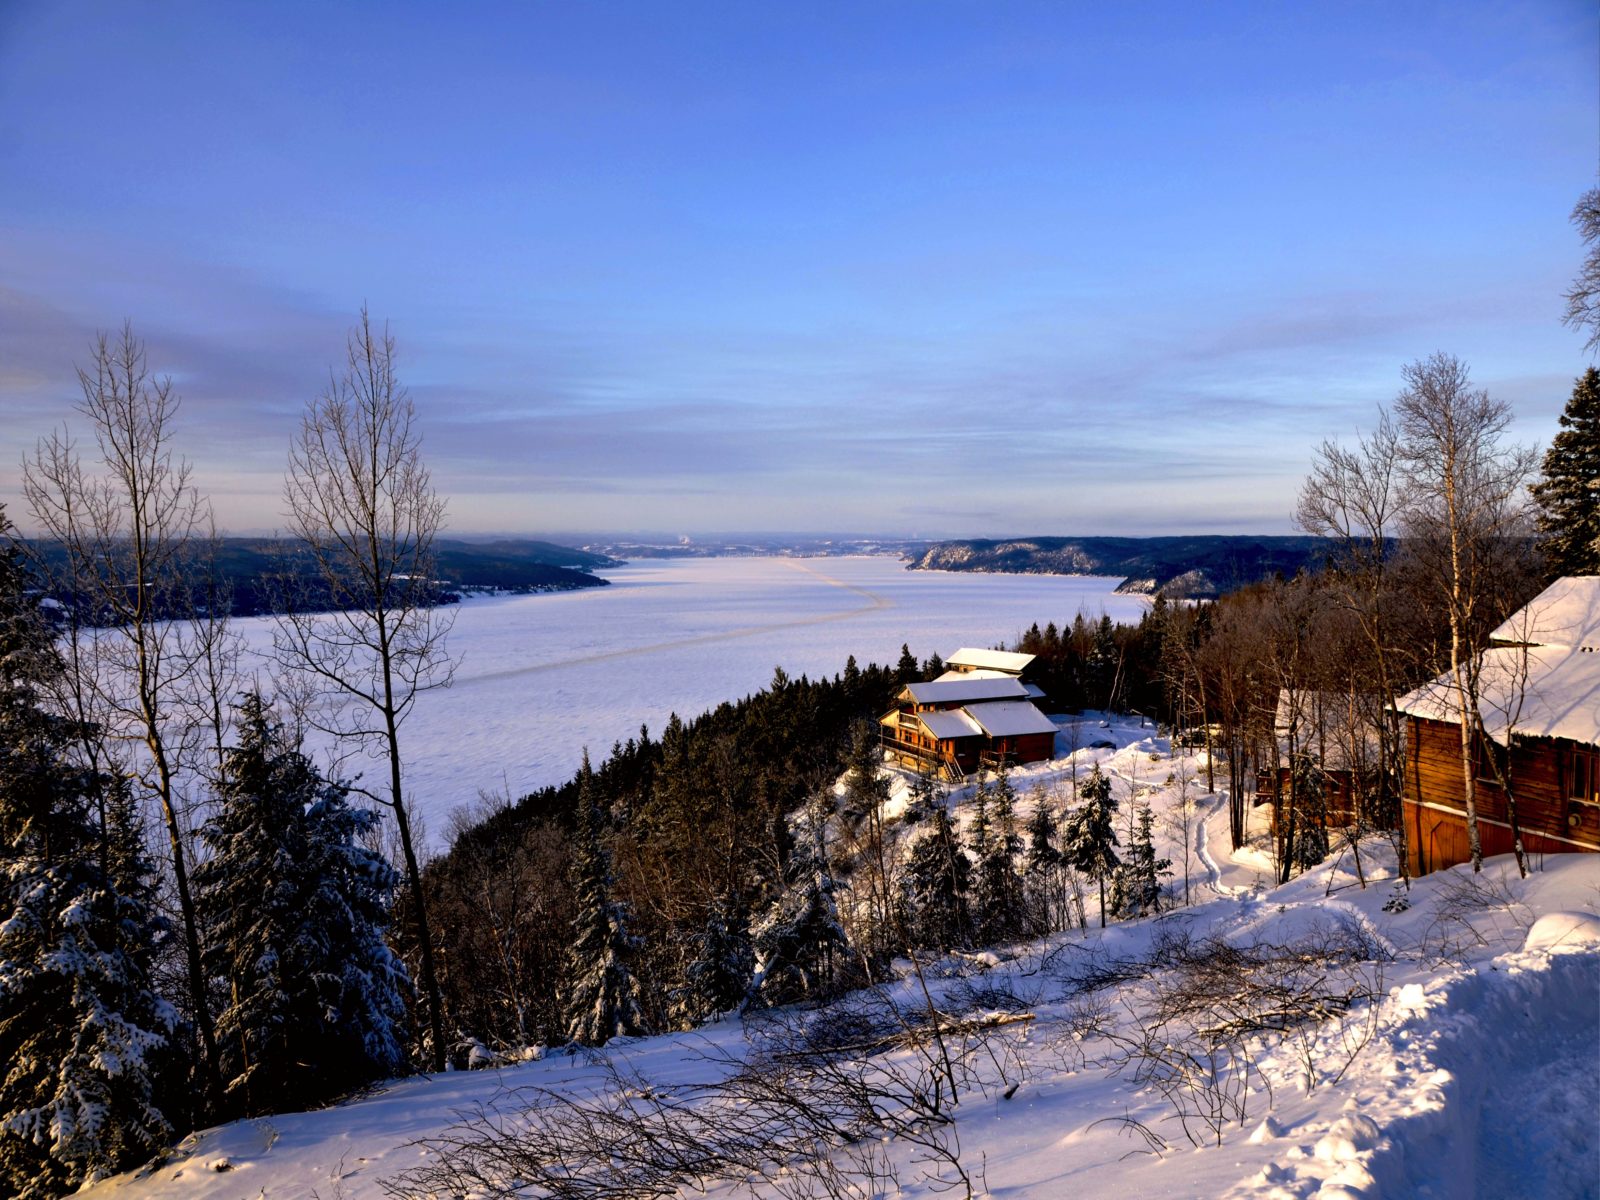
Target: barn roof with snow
1567, 613
1541, 678
961, 690
969, 658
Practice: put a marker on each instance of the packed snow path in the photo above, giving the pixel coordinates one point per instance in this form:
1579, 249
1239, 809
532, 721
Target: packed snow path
1202, 848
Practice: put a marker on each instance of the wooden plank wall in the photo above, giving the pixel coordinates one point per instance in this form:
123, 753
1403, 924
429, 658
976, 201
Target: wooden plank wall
1435, 800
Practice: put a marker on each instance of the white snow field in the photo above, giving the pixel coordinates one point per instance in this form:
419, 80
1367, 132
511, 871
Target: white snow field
1473, 1069
543, 676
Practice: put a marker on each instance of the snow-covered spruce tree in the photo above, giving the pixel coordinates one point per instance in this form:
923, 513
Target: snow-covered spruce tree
83, 1038
938, 876
800, 943
1089, 836
1042, 869
997, 891
1143, 872
866, 787
927, 795
1568, 494
603, 994
721, 965
294, 909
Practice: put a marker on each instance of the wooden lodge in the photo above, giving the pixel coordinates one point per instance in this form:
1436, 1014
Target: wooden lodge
964, 719
1335, 732
1539, 704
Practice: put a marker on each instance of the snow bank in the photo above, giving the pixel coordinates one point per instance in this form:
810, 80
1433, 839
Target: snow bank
1484, 1085
1562, 930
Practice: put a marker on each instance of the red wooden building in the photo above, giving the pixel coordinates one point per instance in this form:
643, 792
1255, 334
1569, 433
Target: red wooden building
1336, 732
960, 721
1539, 709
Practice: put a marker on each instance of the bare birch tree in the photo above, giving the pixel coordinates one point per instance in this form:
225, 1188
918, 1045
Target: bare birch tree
129, 540
1463, 502
1353, 496
362, 505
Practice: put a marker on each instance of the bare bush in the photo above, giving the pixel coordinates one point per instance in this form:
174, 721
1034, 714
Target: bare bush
1474, 912
1199, 1018
805, 1112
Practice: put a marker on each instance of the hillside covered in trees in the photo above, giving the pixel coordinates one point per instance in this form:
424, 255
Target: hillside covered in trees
1192, 567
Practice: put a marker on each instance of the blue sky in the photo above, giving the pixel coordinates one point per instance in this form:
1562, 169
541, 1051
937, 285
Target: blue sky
912, 268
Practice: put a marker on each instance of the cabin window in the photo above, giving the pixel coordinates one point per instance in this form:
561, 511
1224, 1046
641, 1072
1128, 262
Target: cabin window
1583, 776
1490, 758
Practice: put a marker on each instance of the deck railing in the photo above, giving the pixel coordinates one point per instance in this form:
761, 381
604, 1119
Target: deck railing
943, 764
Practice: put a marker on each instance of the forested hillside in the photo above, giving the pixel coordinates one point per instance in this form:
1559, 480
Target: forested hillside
1197, 566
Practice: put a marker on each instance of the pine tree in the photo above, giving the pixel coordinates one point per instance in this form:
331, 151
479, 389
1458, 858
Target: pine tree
1042, 867
866, 787
800, 942
721, 965
927, 795
1309, 795
84, 1041
1102, 664
938, 877
294, 909
1090, 836
603, 995
1569, 493
997, 899
1143, 872
906, 670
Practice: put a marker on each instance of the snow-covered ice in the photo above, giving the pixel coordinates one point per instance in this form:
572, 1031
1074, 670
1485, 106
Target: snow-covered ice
543, 676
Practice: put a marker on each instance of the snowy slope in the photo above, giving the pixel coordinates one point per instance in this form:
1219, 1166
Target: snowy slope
1474, 1072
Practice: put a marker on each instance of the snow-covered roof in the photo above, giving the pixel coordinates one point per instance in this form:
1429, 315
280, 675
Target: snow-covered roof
990, 660
962, 690
1331, 725
1542, 691
1567, 613
1010, 718
1035, 692
949, 724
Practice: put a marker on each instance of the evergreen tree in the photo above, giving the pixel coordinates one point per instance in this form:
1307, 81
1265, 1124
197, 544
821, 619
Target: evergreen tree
906, 670
927, 795
1568, 495
84, 1041
1090, 837
1143, 872
800, 942
1043, 865
721, 965
1308, 838
998, 900
938, 877
1102, 664
603, 999
866, 786
294, 908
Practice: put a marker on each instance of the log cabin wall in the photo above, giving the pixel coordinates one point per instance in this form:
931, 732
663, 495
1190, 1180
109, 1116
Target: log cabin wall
1542, 779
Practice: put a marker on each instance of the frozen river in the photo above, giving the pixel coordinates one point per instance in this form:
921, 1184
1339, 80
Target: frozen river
541, 677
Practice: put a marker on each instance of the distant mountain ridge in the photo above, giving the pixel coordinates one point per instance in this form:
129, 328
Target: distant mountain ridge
1197, 567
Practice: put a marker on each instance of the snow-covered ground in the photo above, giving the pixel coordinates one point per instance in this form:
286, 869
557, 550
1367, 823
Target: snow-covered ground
541, 677
1475, 1071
